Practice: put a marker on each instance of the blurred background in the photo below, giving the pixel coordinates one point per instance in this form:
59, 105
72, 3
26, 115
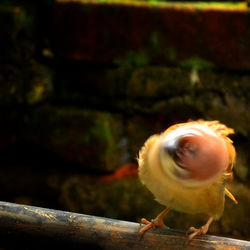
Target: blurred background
84, 83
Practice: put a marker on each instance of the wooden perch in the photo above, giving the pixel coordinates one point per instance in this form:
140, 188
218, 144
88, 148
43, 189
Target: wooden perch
34, 228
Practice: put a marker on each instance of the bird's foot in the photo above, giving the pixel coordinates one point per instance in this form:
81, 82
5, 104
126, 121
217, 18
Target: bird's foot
157, 222
192, 231
149, 224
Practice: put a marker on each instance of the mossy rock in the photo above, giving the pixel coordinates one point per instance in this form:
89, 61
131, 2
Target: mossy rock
93, 140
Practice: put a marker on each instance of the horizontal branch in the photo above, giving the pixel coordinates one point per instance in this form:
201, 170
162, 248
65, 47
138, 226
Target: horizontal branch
21, 224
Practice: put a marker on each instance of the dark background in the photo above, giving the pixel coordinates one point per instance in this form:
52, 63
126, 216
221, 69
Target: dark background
82, 86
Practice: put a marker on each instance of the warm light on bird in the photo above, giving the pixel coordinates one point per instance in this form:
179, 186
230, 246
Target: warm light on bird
186, 168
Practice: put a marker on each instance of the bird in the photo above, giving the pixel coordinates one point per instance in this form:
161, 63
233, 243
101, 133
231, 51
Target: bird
187, 168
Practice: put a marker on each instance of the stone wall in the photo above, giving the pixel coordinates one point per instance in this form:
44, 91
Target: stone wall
83, 85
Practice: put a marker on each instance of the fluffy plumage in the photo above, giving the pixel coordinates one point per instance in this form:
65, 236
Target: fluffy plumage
186, 168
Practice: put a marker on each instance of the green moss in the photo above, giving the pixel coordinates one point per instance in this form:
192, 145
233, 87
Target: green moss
101, 130
154, 2
162, 4
196, 63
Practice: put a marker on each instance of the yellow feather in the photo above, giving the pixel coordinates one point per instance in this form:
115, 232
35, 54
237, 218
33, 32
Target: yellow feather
208, 198
173, 188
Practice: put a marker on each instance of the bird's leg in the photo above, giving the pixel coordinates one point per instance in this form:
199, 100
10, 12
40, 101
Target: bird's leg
202, 230
157, 222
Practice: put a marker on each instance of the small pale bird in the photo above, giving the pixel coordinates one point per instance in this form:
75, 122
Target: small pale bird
186, 168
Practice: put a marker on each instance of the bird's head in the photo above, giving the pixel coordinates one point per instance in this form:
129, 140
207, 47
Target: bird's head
193, 155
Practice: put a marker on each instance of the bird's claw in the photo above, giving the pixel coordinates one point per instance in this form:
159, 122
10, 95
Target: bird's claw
192, 231
153, 223
150, 224
144, 221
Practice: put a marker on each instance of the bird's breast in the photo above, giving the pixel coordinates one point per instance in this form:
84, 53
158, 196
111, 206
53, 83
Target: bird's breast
208, 199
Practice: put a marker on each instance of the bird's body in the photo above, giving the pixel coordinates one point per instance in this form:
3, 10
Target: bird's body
187, 167
179, 197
